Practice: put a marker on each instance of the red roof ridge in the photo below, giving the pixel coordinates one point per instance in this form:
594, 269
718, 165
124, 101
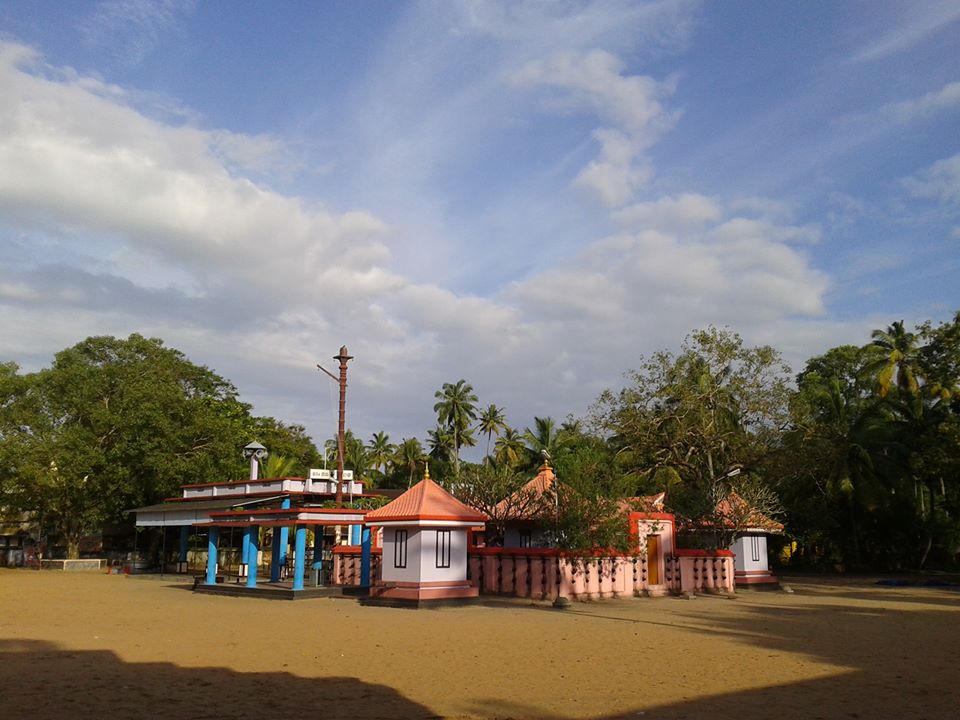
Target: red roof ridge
426, 501
535, 489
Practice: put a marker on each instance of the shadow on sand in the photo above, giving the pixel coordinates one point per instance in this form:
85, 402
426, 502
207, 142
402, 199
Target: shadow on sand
39, 680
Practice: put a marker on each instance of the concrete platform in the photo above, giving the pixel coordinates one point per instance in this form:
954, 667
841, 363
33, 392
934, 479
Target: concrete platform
269, 591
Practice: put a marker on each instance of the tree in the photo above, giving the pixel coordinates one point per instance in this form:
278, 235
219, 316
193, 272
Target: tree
355, 455
113, 424
498, 492
715, 407
381, 451
290, 442
545, 440
509, 448
456, 410
277, 465
896, 363
441, 444
492, 422
409, 457
588, 497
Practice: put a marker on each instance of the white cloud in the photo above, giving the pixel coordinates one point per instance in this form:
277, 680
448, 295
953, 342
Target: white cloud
177, 242
940, 181
78, 159
683, 213
906, 111
131, 29
595, 82
618, 25
911, 25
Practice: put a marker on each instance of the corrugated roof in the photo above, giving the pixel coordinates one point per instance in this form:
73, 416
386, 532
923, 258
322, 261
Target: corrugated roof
426, 501
218, 504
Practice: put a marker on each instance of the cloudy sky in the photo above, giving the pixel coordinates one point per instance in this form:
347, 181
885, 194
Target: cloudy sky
528, 195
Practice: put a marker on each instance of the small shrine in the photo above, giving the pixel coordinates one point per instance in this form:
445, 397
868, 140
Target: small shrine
425, 538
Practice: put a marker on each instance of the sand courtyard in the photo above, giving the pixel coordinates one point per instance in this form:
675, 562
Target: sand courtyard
80, 645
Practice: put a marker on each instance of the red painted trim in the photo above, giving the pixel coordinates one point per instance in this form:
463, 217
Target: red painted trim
354, 550
452, 518
288, 511
270, 523
703, 553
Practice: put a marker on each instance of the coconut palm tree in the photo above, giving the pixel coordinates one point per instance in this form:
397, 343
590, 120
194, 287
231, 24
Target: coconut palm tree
355, 455
544, 438
276, 466
456, 410
897, 362
381, 450
509, 448
409, 455
492, 421
440, 441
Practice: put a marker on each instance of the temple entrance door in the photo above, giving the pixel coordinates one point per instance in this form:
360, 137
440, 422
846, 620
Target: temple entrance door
653, 559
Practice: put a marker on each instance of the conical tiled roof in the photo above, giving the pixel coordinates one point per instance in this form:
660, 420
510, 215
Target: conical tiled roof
426, 501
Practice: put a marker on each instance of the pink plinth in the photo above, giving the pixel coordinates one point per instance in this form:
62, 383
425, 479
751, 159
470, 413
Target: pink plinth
425, 591
756, 578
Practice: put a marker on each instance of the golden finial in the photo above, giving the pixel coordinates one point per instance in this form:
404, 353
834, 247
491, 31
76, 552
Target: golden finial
426, 469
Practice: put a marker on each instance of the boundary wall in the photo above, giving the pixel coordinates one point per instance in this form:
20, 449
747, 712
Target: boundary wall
547, 573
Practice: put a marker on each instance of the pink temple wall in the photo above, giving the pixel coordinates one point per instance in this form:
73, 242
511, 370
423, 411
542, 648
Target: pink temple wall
526, 573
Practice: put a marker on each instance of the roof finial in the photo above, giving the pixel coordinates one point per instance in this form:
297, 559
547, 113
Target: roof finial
546, 460
426, 469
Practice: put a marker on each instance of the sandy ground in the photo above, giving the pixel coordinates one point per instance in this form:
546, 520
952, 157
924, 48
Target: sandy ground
79, 645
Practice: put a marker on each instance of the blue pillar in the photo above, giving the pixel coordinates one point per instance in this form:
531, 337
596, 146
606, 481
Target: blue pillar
184, 542
365, 558
300, 550
252, 537
212, 556
318, 552
245, 548
284, 537
275, 556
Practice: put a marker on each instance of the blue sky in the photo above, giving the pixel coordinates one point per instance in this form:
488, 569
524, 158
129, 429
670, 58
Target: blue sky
527, 195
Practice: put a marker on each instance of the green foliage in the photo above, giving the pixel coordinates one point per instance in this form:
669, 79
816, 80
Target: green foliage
456, 410
510, 448
492, 422
687, 421
381, 451
869, 468
407, 463
113, 424
290, 442
498, 492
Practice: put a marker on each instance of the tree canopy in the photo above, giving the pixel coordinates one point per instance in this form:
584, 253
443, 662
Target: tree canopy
116, 423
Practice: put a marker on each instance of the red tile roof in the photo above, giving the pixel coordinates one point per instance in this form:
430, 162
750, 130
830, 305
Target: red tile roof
735, 507
644, 503
426, 501
531, 493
